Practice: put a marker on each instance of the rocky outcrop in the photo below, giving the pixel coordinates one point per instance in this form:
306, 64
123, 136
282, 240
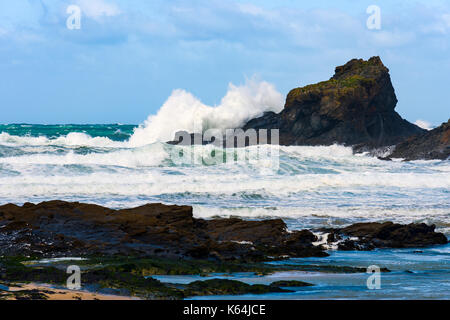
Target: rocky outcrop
368, 236
290, 283
228, 287
58, 228
355, 107
434, 144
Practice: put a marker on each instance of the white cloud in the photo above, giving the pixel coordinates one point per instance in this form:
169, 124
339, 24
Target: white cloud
393, 38
445, 20
96, 9
423, 124
439, 24
251, 9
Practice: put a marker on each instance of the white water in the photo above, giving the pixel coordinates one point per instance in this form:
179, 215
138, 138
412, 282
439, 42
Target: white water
312, 186
183, 111
74, 139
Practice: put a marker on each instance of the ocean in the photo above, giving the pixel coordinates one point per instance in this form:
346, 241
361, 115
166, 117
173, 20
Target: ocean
311, 187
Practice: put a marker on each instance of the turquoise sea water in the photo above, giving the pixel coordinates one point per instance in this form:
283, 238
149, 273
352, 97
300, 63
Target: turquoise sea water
309, 187
415, 274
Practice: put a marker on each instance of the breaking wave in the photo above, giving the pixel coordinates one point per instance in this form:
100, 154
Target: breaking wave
309, 185
183, 111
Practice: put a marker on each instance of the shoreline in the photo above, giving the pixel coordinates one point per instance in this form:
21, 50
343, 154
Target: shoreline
31, 291
300, 278
122, 252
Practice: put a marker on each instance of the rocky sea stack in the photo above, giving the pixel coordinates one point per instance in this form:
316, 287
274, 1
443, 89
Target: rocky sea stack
356, 107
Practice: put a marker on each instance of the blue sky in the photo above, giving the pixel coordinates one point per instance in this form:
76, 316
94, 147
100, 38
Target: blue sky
129, 55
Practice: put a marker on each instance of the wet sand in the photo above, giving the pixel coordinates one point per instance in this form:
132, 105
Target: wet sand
51, 293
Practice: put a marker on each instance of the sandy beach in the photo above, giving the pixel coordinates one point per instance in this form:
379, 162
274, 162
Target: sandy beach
32, 290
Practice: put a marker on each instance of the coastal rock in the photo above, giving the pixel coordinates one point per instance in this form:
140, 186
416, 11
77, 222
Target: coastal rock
228, 287
371, 235
71, 228
58, 228
290, 283
433, 144
355, 108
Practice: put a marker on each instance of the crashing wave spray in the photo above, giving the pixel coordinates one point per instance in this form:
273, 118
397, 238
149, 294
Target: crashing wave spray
182, 111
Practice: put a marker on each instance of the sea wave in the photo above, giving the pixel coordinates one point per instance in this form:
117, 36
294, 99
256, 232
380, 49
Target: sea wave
307, 186
183, 111
105, 175
69, 140
308, 217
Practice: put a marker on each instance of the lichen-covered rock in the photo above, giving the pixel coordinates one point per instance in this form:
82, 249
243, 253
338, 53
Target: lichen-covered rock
433, 144
355, 107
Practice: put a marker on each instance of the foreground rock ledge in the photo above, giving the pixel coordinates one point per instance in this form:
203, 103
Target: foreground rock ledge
371, 235
71, 228
58, 228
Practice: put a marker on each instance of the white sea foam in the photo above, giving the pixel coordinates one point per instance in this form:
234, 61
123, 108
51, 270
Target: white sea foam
51, 260
183, 111
311, 183
151, 155
310, 217
71, 139
295, 212
357, 188
38, 176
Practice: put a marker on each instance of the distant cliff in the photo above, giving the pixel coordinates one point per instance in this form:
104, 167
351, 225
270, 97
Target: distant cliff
355, 107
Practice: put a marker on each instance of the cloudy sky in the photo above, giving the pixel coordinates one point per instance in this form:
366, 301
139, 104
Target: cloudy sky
129, 55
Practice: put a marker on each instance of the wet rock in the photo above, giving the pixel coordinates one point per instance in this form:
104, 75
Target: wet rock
71, 228
371, 235
228, 287
290, 283
433, 144
268, 236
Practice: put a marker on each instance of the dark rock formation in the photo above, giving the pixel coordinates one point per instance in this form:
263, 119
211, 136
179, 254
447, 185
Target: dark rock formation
228, 287
64, 228
355, 107
290, 283
434, 144
58, 228
368, 236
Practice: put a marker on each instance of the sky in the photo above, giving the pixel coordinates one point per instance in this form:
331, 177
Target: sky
128, 56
